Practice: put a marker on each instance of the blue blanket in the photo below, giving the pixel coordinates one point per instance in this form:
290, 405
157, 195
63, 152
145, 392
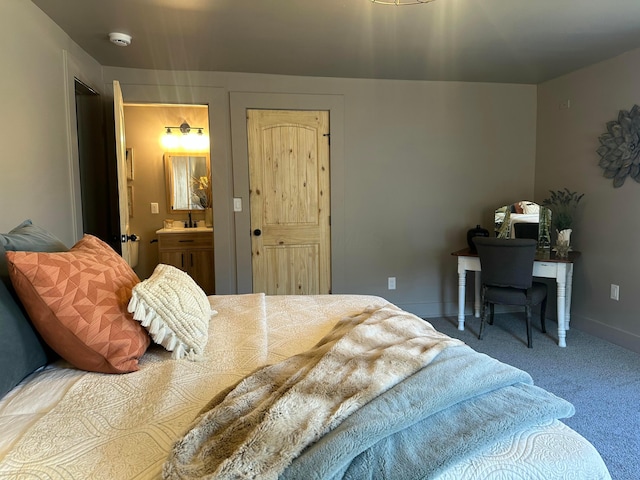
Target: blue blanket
457, 406
382, 395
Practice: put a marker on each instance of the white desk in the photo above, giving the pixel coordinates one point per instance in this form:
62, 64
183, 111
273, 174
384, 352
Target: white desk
545, 265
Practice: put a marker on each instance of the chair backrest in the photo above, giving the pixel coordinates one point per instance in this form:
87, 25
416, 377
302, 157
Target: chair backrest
526, 230
506, 262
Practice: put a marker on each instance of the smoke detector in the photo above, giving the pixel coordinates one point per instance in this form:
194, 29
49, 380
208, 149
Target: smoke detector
120, 39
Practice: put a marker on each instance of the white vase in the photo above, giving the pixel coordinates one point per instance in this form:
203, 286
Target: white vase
564, 236
563, 243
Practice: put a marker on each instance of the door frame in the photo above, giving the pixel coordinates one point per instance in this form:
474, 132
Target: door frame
217, 100
72, 71
240, 102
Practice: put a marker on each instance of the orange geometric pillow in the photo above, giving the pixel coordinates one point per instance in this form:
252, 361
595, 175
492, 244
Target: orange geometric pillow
78, 300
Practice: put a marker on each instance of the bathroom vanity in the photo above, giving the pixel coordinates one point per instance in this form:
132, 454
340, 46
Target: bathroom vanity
191, 250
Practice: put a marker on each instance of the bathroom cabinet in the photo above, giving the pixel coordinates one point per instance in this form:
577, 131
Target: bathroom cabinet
191, 250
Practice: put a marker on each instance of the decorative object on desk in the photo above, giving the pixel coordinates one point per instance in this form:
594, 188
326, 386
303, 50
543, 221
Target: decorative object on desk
564, 236
475, 232
563, 204
544, 232
524, 219
619, 147
563, 245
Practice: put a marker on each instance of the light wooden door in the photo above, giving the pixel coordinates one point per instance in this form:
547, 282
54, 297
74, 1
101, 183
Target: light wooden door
289, 201
123, 196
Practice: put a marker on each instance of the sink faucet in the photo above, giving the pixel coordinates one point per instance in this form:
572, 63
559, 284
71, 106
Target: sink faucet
190, 222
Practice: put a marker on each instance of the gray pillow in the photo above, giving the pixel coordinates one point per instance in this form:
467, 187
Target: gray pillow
20, 349
26, 237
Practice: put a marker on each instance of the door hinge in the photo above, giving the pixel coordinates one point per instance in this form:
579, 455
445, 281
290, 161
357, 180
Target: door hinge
328, 135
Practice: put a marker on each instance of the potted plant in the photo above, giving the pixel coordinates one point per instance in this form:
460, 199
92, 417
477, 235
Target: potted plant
563, 205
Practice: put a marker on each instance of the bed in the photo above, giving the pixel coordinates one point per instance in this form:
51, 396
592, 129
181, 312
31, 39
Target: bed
64, 422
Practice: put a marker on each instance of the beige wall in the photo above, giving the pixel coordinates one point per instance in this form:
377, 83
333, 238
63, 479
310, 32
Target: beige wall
608, 228
414, 166
144, 130
37, 172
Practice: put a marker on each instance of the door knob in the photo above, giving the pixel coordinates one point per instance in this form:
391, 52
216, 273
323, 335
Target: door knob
257, 232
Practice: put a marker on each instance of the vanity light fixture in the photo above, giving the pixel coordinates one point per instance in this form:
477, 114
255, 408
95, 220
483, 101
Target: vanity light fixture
184, 128
192, 140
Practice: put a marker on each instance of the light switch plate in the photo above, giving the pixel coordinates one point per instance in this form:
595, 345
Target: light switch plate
154, 207
237, 204
615, 292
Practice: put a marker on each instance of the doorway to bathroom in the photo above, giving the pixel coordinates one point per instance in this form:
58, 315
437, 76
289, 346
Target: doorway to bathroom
152, 134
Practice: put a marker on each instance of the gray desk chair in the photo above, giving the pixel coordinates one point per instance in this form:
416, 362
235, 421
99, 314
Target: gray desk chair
526, 230
507, 278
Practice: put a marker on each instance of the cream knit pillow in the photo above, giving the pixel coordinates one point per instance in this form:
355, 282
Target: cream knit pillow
174, 310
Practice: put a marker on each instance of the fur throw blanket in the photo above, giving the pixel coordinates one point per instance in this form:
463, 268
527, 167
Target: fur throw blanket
256, 428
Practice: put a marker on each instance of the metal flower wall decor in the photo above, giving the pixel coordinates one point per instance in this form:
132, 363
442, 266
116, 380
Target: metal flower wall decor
620, 147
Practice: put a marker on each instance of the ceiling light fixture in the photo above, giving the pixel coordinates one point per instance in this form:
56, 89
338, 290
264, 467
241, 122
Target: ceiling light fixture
400, 3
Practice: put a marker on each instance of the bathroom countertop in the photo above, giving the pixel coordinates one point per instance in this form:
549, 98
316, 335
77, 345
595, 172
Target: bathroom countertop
184, 230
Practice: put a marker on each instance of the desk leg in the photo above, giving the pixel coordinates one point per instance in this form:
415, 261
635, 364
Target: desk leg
476, 302
561, 304
462, 282
567, 310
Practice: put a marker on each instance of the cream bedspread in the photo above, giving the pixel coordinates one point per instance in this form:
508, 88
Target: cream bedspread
65, 424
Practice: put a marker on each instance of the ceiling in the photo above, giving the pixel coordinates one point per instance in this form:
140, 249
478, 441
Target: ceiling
512, 41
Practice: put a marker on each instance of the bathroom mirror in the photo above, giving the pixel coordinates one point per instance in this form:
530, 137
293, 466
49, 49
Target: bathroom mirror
188, 182
524, 219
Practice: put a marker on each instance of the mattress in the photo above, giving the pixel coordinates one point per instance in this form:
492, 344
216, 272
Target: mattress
63, 423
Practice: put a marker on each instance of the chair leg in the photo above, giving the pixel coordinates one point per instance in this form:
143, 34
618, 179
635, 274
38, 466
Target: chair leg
543, 314
491, 318
483, 316
528, 311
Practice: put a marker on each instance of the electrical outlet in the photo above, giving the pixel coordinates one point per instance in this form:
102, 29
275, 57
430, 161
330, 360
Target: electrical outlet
154, 208
564, 104
615, 292
391, 283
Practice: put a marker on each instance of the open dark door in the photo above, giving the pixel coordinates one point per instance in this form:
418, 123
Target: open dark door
97, 180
